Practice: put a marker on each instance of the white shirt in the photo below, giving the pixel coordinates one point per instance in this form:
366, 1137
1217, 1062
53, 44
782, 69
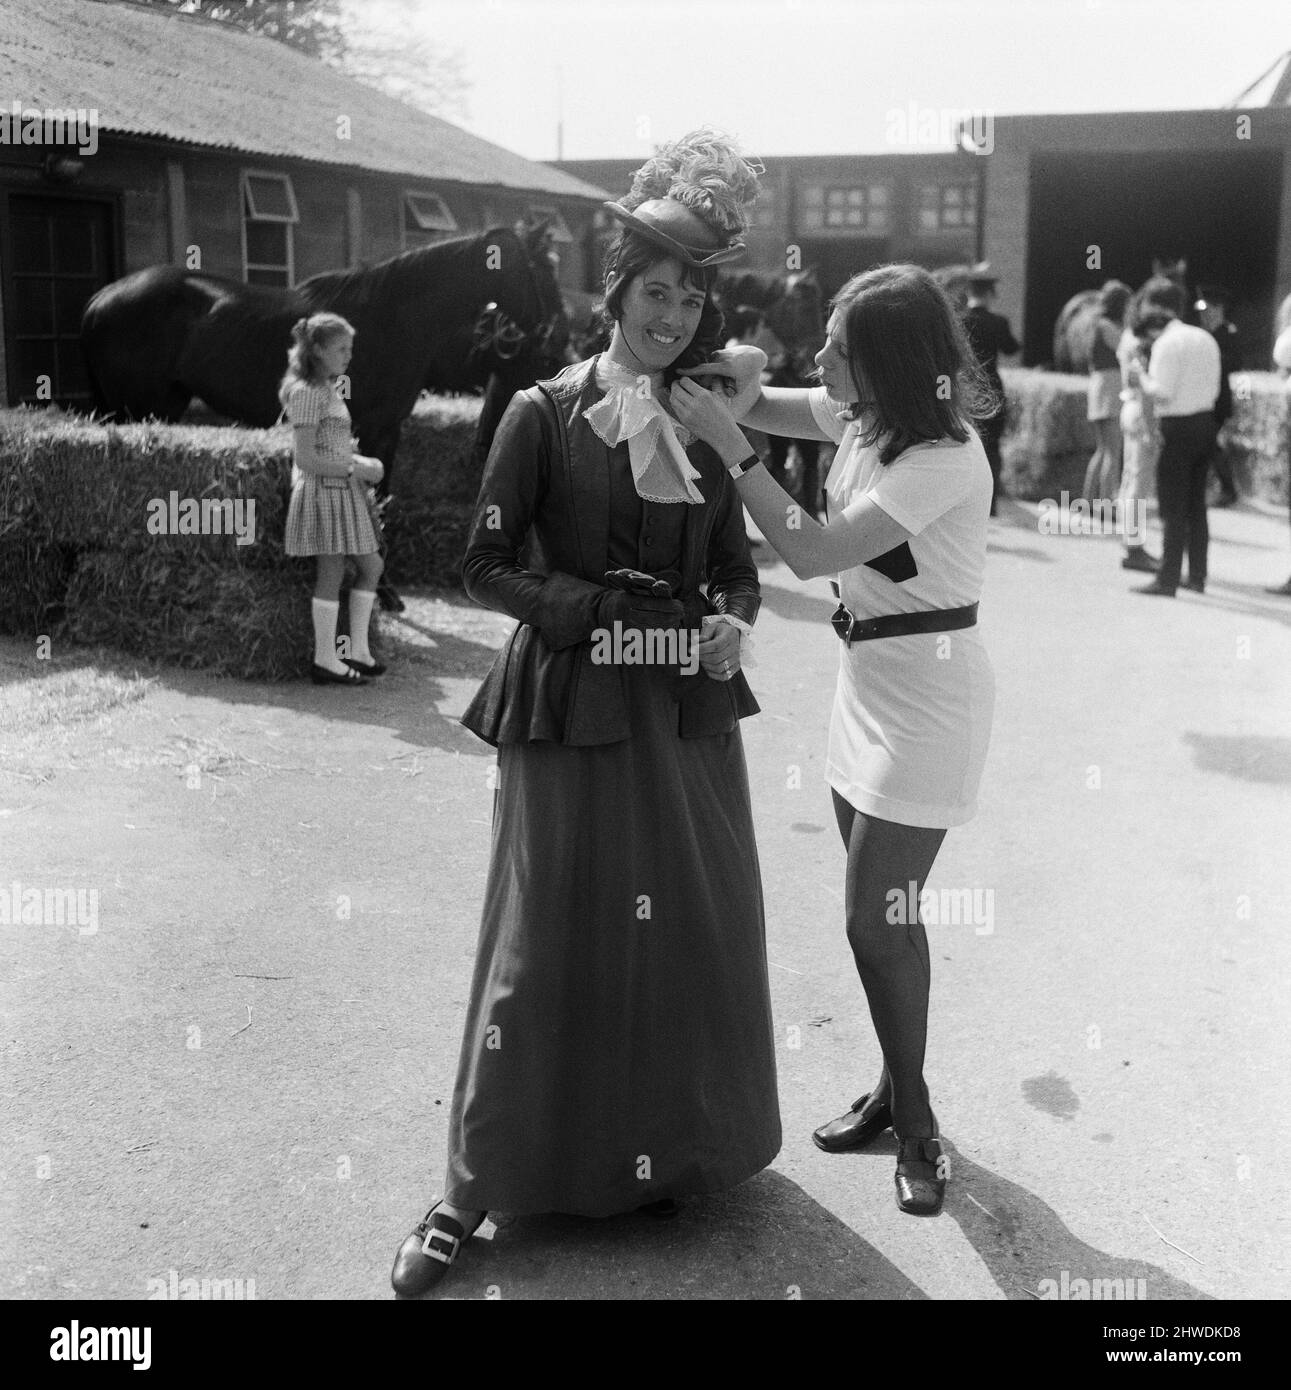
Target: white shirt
1183, 371
940, 492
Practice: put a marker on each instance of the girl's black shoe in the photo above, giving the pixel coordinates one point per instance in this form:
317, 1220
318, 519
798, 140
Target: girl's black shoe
427, 1251
320, 675
364, 668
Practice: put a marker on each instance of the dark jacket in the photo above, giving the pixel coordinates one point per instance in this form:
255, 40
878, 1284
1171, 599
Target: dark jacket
989, 335
538, 551
1230, 360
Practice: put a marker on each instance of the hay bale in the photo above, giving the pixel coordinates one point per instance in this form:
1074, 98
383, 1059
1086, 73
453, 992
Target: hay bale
194, 611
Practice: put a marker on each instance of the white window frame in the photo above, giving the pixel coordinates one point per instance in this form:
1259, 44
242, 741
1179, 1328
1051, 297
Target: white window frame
249, 214
969, 193
427, 221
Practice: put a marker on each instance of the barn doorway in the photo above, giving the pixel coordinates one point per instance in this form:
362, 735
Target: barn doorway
1218, 210
56, 252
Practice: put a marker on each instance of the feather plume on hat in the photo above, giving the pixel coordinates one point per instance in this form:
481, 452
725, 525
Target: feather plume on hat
703, 171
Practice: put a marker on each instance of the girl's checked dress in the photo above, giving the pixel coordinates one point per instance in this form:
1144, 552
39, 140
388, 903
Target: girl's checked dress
327, 516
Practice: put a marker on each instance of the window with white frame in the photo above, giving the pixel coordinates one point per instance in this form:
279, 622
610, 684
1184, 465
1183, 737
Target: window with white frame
268, 215
947, 207
862, 207
426, 218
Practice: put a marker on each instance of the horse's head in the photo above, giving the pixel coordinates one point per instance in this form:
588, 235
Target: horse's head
525, 321
797, 317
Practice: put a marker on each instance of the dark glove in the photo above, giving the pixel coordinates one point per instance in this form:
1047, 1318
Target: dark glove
662, 585
639, 611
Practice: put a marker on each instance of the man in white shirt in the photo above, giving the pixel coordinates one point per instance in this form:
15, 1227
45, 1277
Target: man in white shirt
1183, 380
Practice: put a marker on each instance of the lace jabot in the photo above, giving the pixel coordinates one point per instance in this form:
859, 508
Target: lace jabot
630, 410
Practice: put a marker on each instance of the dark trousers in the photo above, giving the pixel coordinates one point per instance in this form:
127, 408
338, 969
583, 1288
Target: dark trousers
1187, 442
989, 431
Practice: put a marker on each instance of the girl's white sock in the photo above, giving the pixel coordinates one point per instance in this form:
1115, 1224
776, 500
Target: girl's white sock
325, 611
361, 601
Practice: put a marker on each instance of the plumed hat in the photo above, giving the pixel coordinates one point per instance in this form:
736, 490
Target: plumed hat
689, 199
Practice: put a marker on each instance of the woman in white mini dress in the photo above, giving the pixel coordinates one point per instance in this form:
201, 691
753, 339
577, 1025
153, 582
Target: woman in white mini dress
909, 499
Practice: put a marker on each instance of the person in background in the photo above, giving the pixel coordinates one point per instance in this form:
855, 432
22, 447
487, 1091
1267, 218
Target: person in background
743, 325
1140, 434
1104, 403
1183, 380
1282, 360
1212, 306
989, 335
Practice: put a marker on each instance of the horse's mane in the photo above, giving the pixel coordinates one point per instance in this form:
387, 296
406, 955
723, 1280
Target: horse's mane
758, 291
387, 279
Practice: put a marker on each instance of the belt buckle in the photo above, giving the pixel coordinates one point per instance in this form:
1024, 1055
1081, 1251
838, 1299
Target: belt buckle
842, 622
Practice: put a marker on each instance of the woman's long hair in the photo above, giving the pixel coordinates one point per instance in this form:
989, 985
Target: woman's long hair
907, 347
631, 255
308, 337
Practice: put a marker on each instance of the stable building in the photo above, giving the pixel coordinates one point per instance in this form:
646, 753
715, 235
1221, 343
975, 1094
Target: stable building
1056, 203
224, 151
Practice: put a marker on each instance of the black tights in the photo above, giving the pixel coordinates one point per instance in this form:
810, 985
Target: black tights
892, 957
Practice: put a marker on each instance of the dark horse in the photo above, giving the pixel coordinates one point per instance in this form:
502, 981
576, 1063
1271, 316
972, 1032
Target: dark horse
440, 317
792, 308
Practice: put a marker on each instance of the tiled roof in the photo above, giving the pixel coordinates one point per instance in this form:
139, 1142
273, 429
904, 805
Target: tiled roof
183, 78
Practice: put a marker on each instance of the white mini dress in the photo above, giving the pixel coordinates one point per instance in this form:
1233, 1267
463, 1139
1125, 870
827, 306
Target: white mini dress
912, 715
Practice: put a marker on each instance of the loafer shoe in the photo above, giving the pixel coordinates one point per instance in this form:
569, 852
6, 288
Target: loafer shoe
921, 1176
427, 1252
855, 1129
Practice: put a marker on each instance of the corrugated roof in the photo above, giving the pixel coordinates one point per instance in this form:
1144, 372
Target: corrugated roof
180, 77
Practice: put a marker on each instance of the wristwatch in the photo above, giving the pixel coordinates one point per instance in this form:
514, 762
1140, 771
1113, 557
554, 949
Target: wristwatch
737, 470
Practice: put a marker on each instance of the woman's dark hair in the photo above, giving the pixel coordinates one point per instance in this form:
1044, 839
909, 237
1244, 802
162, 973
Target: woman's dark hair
631, 255
1162, 293
743, 319
1150, 320
906, 342
1113, 299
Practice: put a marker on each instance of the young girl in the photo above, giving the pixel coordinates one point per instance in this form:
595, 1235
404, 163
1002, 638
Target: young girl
329, 515
909, 495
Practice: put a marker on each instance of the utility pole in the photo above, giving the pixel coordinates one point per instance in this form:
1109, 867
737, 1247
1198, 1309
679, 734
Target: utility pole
560, 114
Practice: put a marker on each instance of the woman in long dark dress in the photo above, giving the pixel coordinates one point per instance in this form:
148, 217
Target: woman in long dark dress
618, 1049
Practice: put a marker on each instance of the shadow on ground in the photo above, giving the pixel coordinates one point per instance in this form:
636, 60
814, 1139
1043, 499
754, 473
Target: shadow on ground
768, 1239
1252, 757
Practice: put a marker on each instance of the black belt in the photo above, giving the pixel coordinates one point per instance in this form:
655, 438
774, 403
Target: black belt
852, 629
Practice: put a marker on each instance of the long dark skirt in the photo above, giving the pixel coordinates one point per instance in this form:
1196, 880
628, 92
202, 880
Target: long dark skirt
618, 1044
